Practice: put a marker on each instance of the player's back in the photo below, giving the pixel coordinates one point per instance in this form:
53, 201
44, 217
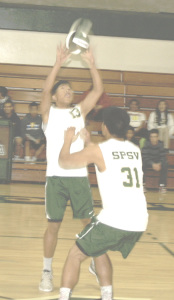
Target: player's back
121, 185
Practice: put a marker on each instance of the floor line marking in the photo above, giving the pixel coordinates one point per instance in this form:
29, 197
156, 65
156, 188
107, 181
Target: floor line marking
81, 298
166, 248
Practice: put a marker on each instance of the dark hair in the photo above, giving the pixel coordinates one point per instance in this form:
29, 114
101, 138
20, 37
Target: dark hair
158, 113
116, 120
3, 91
57, 84
8, 101
33, 104
154, 130
131, 128
134, 100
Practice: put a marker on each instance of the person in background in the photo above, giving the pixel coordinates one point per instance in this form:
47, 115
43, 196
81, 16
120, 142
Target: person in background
130, 135
138, 121
154, 156
32, 133
123, 218
3, 98
9, 114
162, 120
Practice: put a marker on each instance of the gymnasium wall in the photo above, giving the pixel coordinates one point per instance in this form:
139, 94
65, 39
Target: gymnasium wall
111, 53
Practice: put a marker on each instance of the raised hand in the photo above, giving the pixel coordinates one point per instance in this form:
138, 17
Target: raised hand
62, 54
88, 57
85, 136
70, 135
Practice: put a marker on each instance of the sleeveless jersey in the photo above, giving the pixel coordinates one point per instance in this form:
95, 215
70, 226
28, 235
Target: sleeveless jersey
59, 120
121, 186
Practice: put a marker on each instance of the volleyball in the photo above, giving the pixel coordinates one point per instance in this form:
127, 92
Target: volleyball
77, 39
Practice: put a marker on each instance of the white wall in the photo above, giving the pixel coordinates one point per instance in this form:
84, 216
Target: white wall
34, 48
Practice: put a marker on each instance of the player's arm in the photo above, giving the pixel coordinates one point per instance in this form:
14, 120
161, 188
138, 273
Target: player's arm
90, 154
61, 56
92, 97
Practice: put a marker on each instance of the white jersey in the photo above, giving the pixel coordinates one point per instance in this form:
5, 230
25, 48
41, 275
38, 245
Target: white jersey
121, 187
59, 120
136, 118
153, 123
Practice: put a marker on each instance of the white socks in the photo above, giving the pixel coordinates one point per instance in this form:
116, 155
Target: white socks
65, 293
47, 263
106, 292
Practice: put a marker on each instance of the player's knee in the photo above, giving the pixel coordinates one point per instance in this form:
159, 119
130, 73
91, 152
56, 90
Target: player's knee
85, 221
77, 254
53, 227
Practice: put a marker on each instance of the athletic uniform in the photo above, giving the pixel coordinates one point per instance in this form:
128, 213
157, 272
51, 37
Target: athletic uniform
124, 216
63, 185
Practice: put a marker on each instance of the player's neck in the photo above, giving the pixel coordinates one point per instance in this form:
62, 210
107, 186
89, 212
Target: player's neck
117, 138
109, 136
62, 105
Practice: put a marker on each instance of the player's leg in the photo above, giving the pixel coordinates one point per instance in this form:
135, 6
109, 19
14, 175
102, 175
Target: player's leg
71, 271
85, 221
81, 199
50, 238
54, 199
104, 273
104, 270
86, 245
49, 245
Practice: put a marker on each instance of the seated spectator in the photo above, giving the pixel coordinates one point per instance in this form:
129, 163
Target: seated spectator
130, 135
9, 114
137, 121
162, 120
3, 98
154, 156
32, 133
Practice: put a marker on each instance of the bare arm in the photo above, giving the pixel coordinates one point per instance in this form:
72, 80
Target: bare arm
62, 55
90, 154
93, 96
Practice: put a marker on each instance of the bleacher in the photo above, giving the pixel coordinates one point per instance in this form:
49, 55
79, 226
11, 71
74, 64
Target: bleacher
25, 85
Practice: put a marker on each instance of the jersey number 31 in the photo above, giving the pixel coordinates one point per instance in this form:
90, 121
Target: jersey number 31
129, 182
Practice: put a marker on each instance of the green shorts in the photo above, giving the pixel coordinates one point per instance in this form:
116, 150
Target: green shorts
61, 189
98, 238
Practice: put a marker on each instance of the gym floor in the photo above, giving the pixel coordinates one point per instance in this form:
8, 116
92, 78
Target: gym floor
147, 274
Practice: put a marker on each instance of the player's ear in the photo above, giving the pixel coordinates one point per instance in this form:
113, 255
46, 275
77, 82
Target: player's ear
103, 128
54, 97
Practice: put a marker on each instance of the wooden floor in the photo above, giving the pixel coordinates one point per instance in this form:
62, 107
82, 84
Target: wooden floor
148, 273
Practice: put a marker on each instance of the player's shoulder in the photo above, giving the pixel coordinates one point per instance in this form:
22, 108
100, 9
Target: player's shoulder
93, 146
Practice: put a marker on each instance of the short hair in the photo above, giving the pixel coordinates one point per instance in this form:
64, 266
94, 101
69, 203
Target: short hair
154, 130
134, 100
3, 91
57, 84
33, 104
116, 120
8, 101
131, 128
